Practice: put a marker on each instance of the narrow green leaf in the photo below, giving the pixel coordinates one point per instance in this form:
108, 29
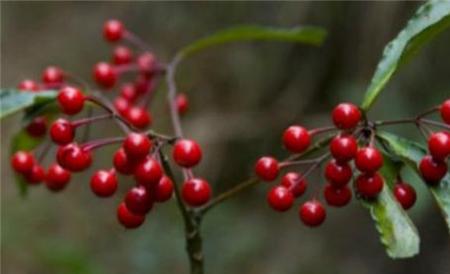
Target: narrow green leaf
308, 35
430, 19
397, 232
12, 101
411, 153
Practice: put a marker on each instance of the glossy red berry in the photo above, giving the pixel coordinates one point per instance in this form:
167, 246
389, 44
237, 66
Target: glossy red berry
368, 160
312, 213
128, 91
163, 190
122, 55
296, 139
137, 145
104, 183
280, 198
37, 127
53, 76
139, 117
127, 218
369, 185
186, 153
196, 192
445, 111
337, 196
147, 63
148, 172
22, 161
36, 175
346, 116
295, 183
267, 168
432, 171
122, 105
62, 132
122, 163
105, 75
139, 200
57, 177
338, 174
28, 85
142, 84
405, 195
182, 103
439, 145
73, 158
113, 30
70, 100
343, 148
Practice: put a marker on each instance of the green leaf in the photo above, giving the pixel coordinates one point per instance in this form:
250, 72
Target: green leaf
308, 35
430, 19
397, 232
12, 101
411, 153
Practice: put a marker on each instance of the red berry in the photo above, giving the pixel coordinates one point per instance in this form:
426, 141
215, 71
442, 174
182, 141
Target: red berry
73, 158
148, 172
62, 132
122, 55
186, 153
122, 163
70, 100
127, 218
280, 198
295, 183
343, 148
22, 162
405, 194
182, 103
138, 200
122, 105
164, 189
113, 30
368, 160
432, 171
338, 174
296, 139
57, 177
36, 175
346, 116
105, 75
445, 111
312, 213
147, 63
139, 117
53, 76
196, 192
104, 183
37, 127
28, 85
128, 91
137, 145
337, 197
369, 185
267, 168
439, 145
142, 84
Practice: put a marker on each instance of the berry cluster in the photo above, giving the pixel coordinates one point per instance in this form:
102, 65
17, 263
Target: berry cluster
140, 154
352, 148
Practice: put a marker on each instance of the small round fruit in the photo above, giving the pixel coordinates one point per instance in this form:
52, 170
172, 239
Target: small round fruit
338, 174
182, 103
445, 111
368, 160
57, 177
267, 168
104, 183
127, 218
337, 197
36, 175
295, 183
280, 198
37, 127
139, 117
137, 145
405, 195
147, 63
62, 132
296, 139
312, 213
148, 172
122, 163
105, 75
343, 148
196, 192
139, 200
113, 30
163, 190
122, 55
28, 85
70, 100
73, 158
122, 105
22, 161
53, 76
186, 153
439, 145
369, 185
346, 116
128, 92
432, 171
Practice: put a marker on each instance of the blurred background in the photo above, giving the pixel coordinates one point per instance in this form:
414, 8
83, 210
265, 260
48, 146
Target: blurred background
242, 97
